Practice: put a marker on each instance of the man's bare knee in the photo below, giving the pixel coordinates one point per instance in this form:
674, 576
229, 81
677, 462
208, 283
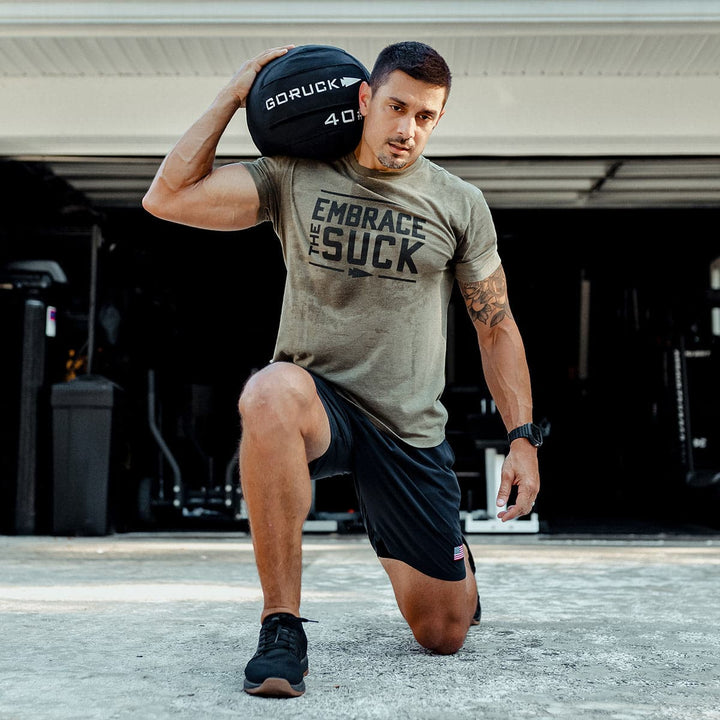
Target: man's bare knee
275, 395
281, 402
440, 636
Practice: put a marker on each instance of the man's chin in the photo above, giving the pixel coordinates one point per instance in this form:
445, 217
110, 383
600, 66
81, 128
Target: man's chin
392, 163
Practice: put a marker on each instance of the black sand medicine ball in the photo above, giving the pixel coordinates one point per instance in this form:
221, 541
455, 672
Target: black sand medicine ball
305, 103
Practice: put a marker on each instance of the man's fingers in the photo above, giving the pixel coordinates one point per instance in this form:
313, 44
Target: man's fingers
245, 76
509, 514
504, 490
527, 485
514, 511
523, 506
265, 57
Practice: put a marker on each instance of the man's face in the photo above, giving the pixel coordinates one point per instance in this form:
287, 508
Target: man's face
399, 117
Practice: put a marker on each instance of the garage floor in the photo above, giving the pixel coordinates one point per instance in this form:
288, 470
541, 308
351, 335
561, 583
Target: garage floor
160, 626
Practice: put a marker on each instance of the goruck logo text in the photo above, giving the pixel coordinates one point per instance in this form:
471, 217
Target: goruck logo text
309, 89
363, 239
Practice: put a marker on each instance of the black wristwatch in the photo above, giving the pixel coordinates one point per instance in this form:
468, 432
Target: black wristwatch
532, 432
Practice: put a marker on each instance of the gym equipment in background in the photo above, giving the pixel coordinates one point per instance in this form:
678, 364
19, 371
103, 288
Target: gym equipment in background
187, 484
29, 327
696, 375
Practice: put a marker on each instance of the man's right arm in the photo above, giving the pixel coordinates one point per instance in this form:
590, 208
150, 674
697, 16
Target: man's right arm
186, 189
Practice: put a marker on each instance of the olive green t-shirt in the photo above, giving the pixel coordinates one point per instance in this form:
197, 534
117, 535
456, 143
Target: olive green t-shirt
371, 257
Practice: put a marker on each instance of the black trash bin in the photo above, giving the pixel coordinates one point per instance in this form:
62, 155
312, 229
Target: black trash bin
82, 441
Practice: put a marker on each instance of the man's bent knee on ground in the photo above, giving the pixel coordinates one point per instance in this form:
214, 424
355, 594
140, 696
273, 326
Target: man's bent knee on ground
439, 612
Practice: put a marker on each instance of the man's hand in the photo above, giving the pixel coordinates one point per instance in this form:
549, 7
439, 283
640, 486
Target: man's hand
243, 79
520, 468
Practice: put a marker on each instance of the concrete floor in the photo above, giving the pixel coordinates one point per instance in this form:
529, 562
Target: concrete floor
160, 626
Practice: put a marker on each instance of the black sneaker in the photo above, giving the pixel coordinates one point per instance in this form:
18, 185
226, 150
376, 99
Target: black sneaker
471, 561
280, 663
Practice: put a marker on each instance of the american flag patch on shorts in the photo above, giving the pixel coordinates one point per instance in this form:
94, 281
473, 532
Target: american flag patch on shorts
459, 552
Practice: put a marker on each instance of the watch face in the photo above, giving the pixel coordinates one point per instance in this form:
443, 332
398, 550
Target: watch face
537, 436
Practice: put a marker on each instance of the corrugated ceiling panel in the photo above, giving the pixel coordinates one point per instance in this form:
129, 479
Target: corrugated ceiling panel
138, 50
12, 61
36, 62
96, 51
201, 56
708, 60
621, 54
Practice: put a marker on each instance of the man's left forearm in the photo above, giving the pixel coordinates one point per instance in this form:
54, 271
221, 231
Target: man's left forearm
506, 373
501, 347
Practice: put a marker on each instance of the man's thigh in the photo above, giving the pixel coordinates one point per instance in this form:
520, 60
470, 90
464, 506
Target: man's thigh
421, 595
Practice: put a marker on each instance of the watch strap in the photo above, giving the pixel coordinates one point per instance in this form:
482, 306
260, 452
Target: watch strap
528, 431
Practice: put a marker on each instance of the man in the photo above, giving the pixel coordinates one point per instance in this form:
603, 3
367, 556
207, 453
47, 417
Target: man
372, 244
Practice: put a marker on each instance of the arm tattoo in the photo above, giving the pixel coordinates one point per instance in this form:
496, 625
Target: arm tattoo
486, 300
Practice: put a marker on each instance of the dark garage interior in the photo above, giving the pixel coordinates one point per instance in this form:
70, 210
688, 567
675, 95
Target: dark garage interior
614, 305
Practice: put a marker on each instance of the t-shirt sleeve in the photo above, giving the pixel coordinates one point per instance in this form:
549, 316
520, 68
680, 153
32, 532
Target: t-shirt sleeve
268, 174
476, 256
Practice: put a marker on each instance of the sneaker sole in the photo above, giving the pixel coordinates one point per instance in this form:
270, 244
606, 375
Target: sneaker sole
275, 687
471, 562
478, 614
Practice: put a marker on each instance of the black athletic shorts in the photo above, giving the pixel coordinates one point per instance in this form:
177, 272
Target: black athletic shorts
409, 497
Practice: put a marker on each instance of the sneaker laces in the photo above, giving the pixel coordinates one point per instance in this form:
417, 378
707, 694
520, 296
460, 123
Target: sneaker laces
276, 634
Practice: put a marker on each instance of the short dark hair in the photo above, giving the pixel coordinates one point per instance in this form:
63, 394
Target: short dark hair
414, 58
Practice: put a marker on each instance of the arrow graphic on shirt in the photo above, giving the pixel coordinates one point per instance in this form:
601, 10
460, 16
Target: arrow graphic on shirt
348, 81
354, 272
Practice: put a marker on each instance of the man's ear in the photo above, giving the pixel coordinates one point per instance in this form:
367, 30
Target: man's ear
442, 112
364, 96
